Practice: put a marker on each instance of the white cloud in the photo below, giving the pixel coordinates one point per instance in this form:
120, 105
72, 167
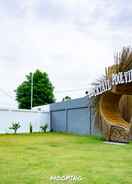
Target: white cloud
71, 40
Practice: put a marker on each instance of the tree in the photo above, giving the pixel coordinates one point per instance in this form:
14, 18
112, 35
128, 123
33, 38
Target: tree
15, 126
42, 90
66, 98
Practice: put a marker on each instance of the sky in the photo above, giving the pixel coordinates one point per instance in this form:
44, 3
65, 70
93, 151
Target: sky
72, 40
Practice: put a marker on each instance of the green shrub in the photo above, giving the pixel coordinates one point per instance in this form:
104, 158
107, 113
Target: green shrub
15, 126
44, 127
30, 128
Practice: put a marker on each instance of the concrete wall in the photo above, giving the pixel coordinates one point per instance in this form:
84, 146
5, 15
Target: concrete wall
24, 117
75, 116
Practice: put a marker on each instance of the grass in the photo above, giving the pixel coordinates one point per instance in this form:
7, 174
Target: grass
33, 158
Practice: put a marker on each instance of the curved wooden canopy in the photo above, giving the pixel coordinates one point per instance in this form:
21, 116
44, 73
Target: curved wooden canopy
115, 128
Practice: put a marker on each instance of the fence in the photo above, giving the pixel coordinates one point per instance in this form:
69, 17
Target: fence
24, 117
75, 116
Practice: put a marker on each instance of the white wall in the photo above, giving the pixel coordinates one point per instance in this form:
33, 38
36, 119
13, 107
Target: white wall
42, 108
24, 117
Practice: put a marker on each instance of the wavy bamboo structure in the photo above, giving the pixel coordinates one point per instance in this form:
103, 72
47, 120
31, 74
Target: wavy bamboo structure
114, 127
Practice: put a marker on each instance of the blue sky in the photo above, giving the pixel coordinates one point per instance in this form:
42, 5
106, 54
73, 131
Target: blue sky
72, 40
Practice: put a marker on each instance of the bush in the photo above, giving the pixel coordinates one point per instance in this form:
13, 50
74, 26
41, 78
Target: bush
44, 127
15, 126
30, 128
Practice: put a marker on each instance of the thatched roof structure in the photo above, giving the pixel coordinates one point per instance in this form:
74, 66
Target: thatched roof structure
123, 62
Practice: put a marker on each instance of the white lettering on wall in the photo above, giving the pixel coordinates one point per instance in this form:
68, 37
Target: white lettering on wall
106, 85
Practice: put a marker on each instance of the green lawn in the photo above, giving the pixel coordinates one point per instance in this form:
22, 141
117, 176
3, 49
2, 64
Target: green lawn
32, 159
